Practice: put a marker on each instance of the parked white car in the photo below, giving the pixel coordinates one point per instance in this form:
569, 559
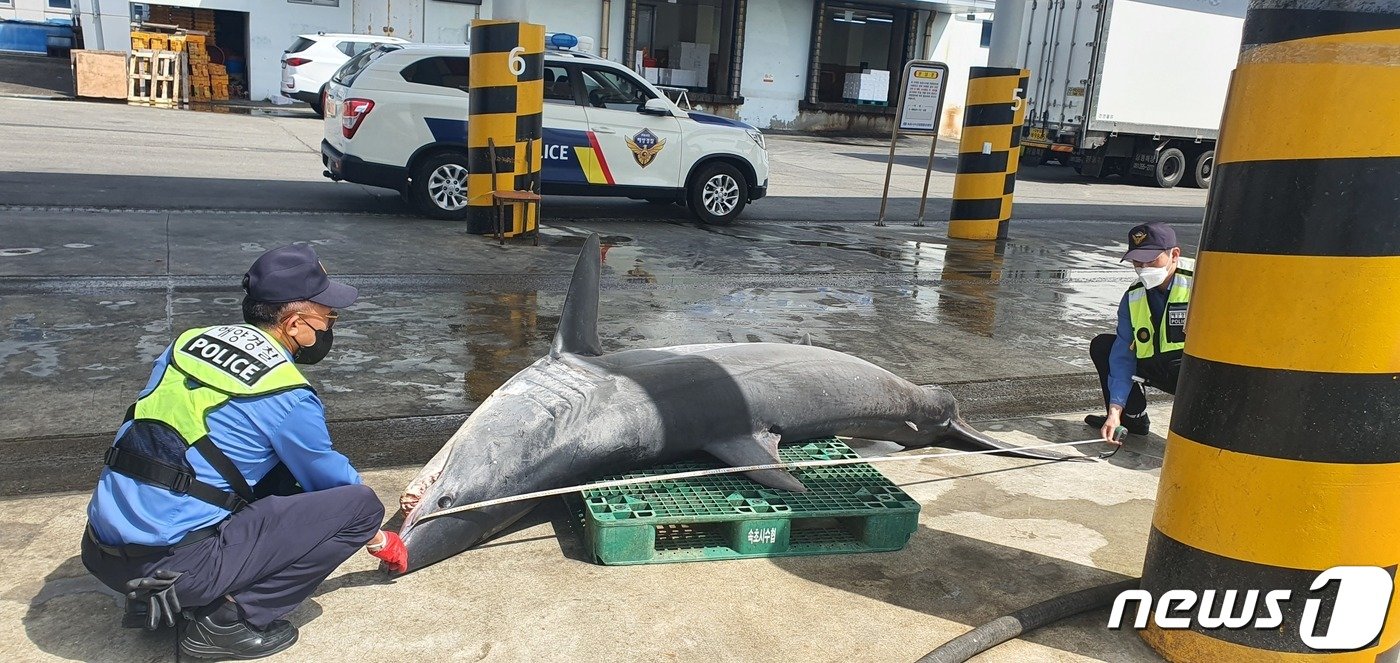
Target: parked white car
311, 60
396, 117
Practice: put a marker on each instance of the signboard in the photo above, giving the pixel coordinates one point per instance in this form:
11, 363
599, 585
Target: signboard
921, 91
921, 96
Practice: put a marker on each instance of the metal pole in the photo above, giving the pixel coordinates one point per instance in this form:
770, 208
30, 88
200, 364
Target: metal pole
889, 167
1006, 33
928, 173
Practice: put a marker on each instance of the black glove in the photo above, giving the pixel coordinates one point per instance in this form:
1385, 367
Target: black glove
158, 593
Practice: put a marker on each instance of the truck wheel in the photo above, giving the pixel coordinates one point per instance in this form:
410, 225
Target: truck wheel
1202, 169
439, 186
1171, 166
718, 194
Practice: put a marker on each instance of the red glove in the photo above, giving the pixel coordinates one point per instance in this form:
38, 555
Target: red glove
393, 553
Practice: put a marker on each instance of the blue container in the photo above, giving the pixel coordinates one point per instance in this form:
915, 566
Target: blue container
32, 36
235, 65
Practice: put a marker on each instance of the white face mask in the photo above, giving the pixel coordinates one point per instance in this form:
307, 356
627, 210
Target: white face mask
1152, 276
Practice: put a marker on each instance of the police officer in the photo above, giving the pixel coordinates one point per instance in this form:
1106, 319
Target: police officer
223, 476
1151, 331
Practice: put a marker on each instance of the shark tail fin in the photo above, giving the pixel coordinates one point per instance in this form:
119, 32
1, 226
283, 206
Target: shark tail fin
578, 324
961, 430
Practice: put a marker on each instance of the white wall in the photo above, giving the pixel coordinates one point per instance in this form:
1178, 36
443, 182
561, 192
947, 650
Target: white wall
31, 10
583, 18
956, 42
108, 31
448, 22
776, 42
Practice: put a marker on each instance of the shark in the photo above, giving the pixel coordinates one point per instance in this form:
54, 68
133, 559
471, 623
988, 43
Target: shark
579, 412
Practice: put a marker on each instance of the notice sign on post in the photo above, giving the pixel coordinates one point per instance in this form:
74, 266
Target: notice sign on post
921, 91
922, 99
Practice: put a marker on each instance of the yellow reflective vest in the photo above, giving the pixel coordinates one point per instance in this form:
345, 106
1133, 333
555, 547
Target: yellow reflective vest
1170, 335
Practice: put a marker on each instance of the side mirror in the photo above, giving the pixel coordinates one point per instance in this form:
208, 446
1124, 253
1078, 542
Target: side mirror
655, 106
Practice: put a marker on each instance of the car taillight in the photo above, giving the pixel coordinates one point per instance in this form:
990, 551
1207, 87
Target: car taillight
297, 62
353, 112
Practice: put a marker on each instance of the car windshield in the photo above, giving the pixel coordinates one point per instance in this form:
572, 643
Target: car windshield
353, 67
301, 44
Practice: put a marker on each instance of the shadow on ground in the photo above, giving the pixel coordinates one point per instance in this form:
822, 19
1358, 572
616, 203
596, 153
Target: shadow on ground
146, 192
35, 75
969, 581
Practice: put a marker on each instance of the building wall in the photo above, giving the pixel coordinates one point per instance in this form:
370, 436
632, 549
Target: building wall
775, 58
583, 18
272, 26
956, 42
777, 38
31, 10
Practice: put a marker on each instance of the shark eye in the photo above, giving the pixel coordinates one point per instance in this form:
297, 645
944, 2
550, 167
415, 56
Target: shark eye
444, 501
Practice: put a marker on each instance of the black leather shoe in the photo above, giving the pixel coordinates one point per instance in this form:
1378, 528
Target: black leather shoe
1137, 426
210, 637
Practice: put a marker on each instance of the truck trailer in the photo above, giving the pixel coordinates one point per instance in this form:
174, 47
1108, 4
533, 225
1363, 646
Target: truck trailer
1129, 87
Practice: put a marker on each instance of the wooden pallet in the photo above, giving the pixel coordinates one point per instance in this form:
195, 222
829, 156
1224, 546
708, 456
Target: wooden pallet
154, 78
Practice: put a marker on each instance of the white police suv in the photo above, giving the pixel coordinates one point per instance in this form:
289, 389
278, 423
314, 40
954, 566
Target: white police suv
396, 117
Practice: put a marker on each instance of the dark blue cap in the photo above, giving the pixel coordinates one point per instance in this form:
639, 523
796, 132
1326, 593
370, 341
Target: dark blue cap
1149, 240
294, 274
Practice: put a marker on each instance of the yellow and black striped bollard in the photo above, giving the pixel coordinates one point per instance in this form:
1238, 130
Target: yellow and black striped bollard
1283, 458
506, 102
988, 153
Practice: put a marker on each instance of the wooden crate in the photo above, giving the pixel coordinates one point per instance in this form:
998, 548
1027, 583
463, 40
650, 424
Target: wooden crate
154, 78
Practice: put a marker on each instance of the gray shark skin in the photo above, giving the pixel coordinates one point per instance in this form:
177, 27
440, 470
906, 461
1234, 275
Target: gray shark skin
577, 413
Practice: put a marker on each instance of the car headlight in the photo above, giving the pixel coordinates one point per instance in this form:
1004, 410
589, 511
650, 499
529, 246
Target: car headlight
757, 137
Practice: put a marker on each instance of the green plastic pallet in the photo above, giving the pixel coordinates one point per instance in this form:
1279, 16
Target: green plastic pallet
847, 509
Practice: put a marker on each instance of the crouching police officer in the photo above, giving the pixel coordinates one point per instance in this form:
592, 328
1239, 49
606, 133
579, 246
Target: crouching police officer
222, 490
1151, 331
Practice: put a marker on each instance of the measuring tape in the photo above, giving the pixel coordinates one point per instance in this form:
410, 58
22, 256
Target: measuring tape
1118, 434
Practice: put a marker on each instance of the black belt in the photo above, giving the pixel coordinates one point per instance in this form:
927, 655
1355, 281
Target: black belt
133, 550
176, 479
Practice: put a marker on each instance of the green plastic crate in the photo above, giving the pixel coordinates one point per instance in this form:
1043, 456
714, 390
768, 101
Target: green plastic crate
847, 509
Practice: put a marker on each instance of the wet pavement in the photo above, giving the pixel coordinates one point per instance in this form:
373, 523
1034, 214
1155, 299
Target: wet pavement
121, 226
83, 319
102, 260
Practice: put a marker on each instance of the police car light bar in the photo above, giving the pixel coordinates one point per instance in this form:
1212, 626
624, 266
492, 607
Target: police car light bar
560, 41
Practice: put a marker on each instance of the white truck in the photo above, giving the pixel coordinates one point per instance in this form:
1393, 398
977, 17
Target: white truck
1130, 87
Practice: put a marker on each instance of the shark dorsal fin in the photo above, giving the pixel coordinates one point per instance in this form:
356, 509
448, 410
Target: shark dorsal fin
578, 324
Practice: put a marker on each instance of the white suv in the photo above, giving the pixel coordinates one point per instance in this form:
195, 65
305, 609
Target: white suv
396, 117
311, 60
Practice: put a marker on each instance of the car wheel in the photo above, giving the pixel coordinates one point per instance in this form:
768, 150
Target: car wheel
1201, 169
319, 105
718, 194
439, 186
1171, 166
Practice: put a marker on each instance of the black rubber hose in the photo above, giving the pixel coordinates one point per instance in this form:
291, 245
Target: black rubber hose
1025, 620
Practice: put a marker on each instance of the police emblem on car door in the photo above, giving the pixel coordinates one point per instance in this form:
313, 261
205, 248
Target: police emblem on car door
645, 146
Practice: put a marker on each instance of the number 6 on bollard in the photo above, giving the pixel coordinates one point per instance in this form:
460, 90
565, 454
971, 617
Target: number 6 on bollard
517, 63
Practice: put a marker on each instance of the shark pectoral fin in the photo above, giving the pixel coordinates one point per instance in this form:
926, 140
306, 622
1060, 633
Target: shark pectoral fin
758, 449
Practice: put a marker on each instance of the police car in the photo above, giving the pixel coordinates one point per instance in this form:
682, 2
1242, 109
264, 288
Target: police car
396, 118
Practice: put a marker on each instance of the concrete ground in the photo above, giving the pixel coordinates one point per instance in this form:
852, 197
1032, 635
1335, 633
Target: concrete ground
120, 226
32, 75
